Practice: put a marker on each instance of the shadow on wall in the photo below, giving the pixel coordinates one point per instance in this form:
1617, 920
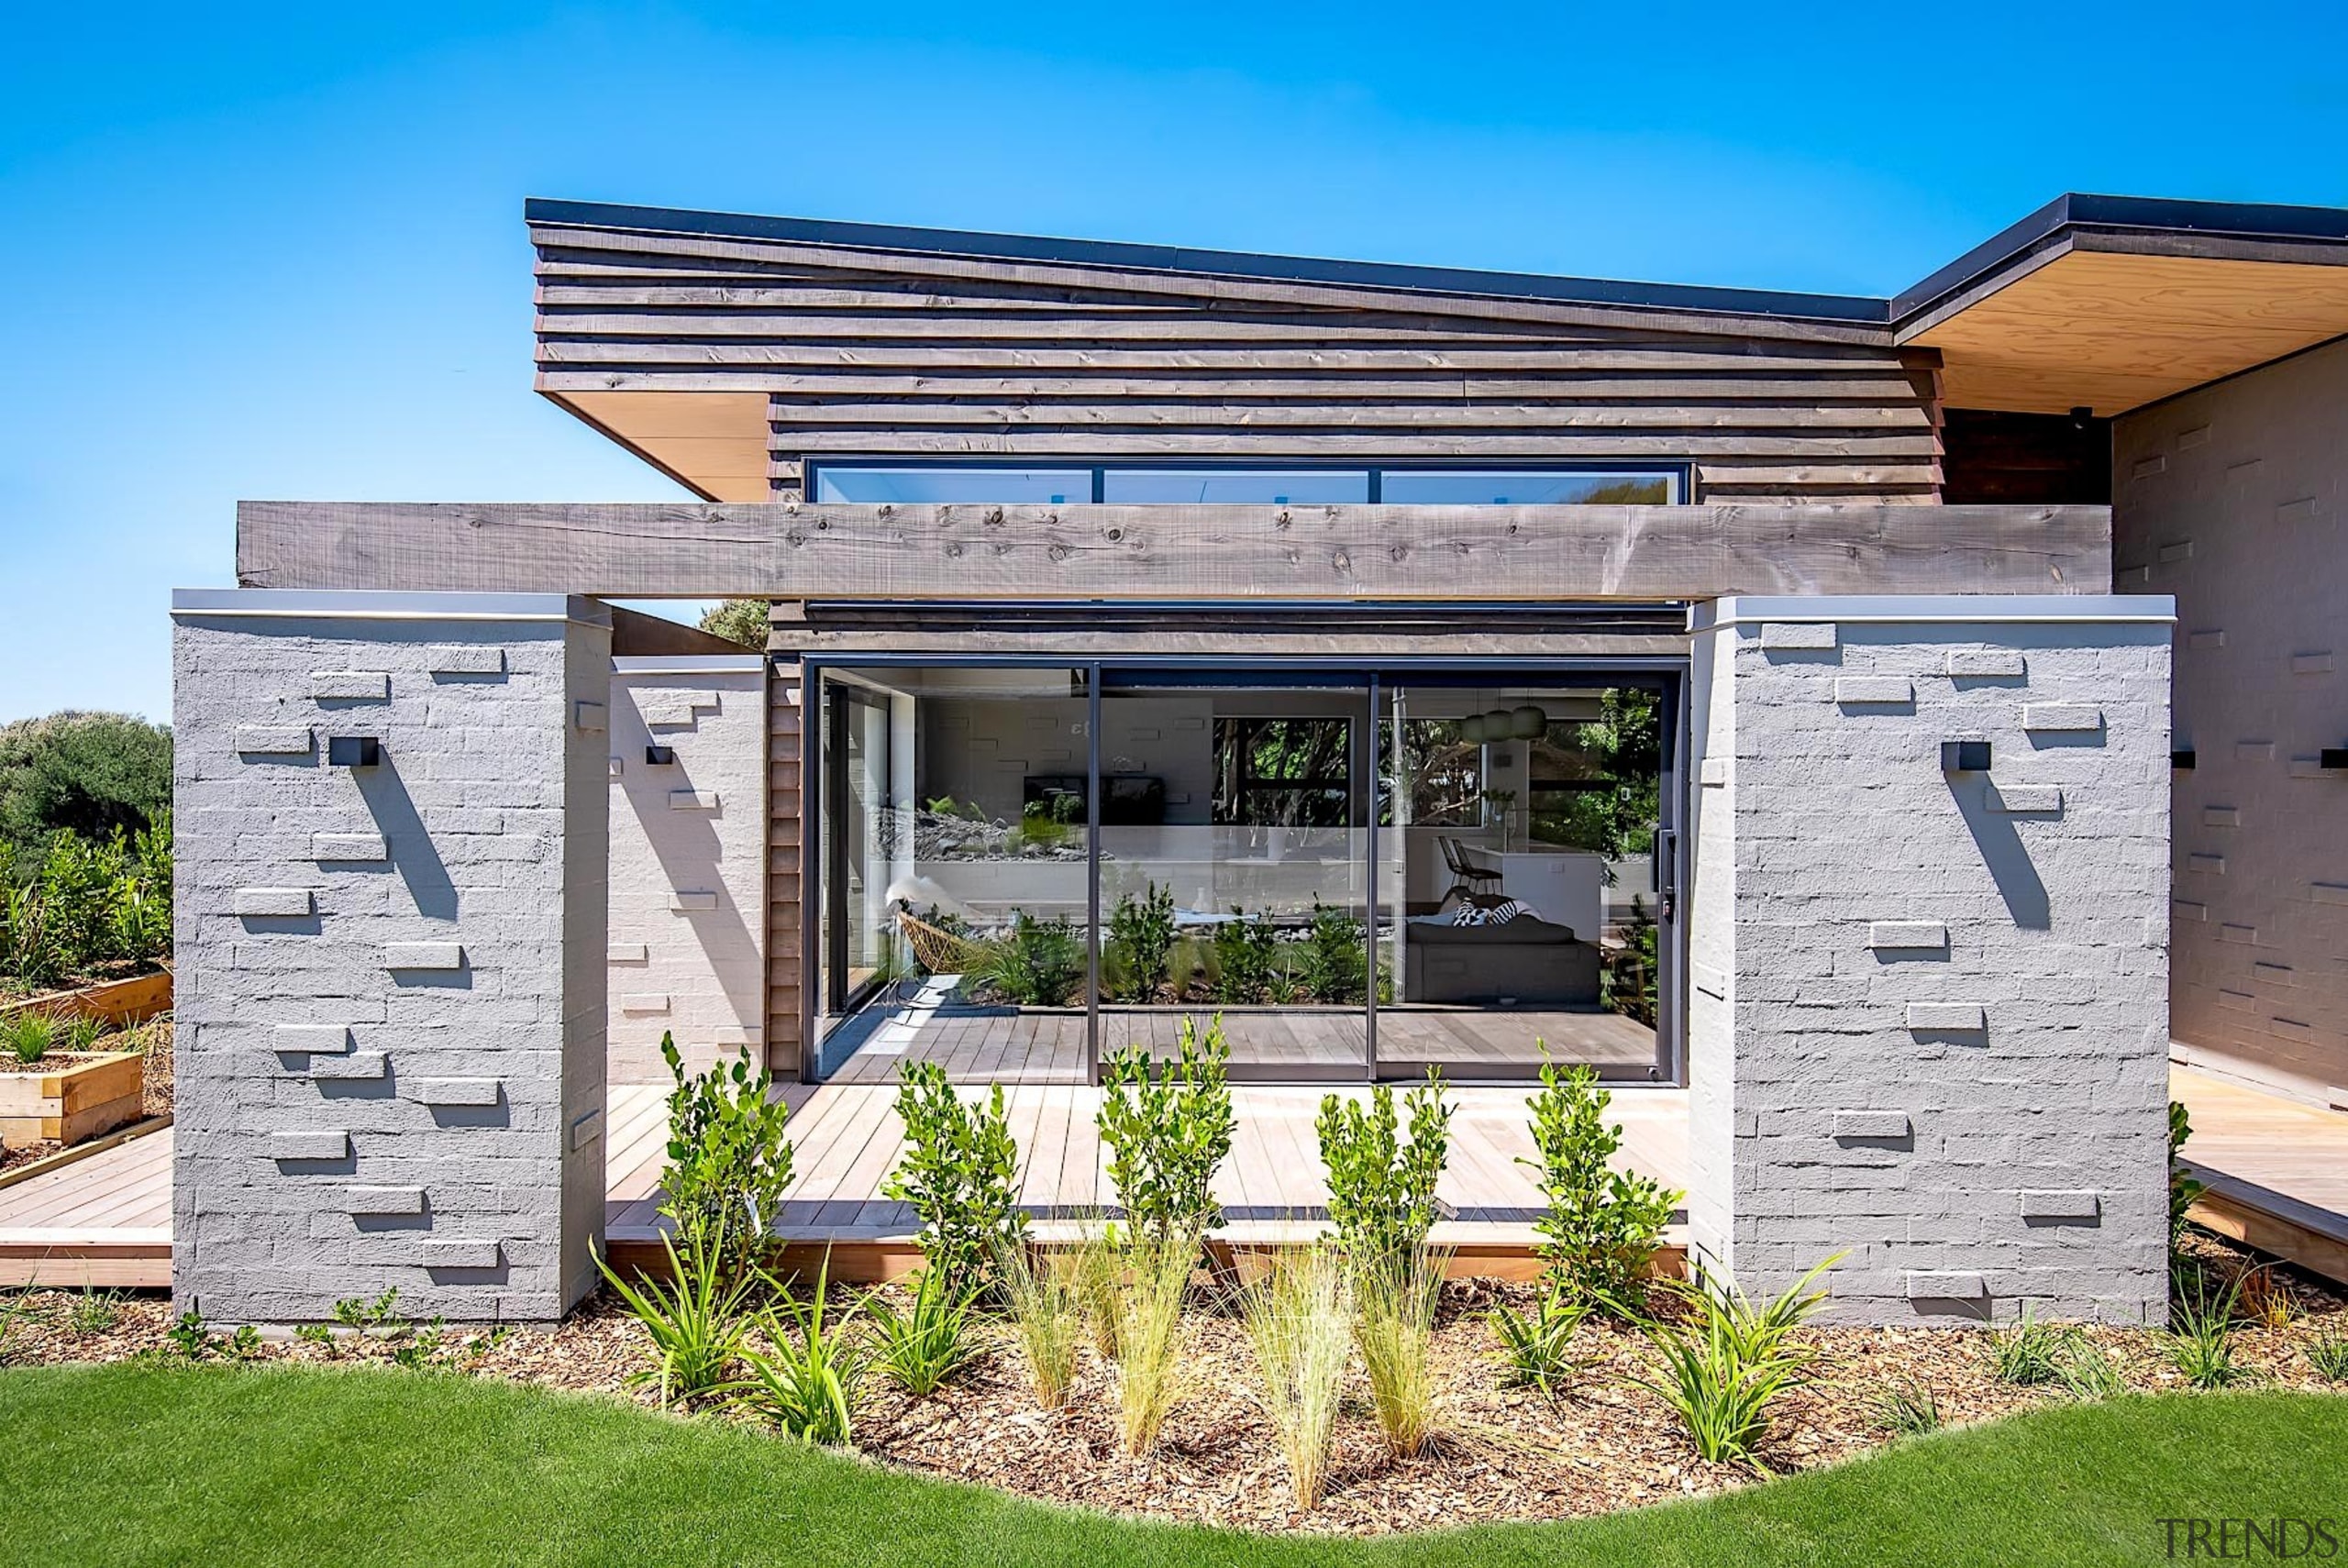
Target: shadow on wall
2002, 851
409, 846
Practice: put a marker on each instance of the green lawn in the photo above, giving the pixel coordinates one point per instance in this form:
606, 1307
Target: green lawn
214, 1466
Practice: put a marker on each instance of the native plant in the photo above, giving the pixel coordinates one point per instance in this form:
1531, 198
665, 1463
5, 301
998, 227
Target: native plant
695, 1318
960, 1173
30, 1036
2184, 1191
1395, 1299
926, 1344
729, 1161
85, 902
808, 1388
2085, 1373
2327, 1353
1722, 1372
1381, 1190
1147, 1332
1537, 1348
1169, 1125
1331, 964
2031, 1354
2201, 1336
1246, 955
1140, 944
1047, 1319
1601, 1225
1039, 964
1907, 1407
1297, 1325
96, 1311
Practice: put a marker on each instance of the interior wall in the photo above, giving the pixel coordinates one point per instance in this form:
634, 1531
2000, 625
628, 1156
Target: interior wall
2233, 498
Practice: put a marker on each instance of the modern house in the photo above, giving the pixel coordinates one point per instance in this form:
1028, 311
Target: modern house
1780, 697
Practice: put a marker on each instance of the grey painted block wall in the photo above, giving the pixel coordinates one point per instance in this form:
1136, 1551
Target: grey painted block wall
2234, 499
404, 1087
1927, 1009
689, 856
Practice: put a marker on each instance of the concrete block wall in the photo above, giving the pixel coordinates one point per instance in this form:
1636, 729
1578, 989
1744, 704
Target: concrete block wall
1928, 1018
2233, 499
403, 1085
688, 867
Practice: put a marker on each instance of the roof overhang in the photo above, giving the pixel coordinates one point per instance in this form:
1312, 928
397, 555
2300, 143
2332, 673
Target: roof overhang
714, 444
2111, 302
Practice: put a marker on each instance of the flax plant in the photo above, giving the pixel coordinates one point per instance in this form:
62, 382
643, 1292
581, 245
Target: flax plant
1297, 1324
1048, 1318
1394, 1309
696, 1316
808, 1388
1722, 1374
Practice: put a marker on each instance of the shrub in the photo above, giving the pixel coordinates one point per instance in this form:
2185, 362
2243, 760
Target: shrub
89, 774
2184, 1192
920, 1349
1381, 1192
695, 1316
807, 1390
1151, 1281
1296, 1319
83, 904
1394, 1308
1246, 952
1601, 1225
2202, 1337
1721, 1374
2085, 1372
1907, 1407
30, 1036
742, 620
1331, 965
729, 1162
1141, 942
1169, 1125
961, 1173
1047, 1319
1038, 964
1536, 1350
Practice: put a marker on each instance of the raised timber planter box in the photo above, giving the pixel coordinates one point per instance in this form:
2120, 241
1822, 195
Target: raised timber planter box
124, 1003
71, 1101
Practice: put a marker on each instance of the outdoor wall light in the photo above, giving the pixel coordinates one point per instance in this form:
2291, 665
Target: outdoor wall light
1965, 757
353, 751
2181, 760
2332, 759
1472, 730
1528, 722
659, 756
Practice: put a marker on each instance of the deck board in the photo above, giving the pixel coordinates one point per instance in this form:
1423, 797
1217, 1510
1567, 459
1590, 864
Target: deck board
105, 1220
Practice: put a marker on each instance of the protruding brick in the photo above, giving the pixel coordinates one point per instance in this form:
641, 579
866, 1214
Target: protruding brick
2061, 716
359, 1065
1944, 1017
424, 955
692, 901
1809, 636
692, 800
466, 658
1880, 1126
257, 903
382, 1201
2026, 799
1873, 690
274, 740
454, 1091
318, 1039
361, 847
1902, 935
2066, 1205
350, 686
324, 1143
406, 1250
1946, 1285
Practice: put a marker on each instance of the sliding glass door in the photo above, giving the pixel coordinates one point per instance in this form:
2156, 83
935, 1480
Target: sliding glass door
1366, 872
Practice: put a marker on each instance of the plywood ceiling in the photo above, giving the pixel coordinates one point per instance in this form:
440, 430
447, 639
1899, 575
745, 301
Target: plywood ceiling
716, 440
2112, 332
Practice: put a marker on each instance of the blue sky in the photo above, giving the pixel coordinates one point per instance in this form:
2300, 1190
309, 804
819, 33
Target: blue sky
262, 253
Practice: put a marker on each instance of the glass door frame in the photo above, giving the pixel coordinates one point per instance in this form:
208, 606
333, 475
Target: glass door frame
820, 971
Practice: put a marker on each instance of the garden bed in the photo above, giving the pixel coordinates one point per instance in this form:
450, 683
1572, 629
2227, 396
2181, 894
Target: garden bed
147, 1046
1503, 1454
133, 996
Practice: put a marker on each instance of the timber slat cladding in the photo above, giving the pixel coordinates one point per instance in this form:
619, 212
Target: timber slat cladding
867, 352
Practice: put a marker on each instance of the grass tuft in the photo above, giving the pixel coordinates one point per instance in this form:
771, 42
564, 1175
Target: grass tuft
1297, 1324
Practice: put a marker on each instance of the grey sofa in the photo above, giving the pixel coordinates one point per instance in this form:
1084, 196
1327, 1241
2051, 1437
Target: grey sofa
1526, 960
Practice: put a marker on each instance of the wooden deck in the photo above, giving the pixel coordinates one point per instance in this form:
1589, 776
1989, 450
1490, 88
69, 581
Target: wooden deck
2277, 1170
1009, 1045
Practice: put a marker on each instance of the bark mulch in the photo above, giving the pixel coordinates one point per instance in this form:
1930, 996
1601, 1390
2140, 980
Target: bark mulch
1505, 1453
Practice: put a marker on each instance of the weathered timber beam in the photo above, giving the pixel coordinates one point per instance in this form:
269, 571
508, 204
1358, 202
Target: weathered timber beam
821, 551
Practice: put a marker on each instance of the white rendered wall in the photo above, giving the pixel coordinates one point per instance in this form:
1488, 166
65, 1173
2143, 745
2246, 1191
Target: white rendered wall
689, 852
1928, 1015
390, 980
